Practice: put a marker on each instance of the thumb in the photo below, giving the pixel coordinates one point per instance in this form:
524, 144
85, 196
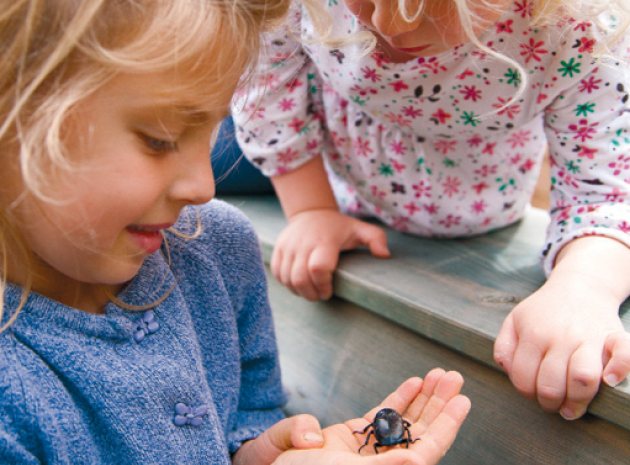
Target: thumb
374, 238
505, 344
300, 431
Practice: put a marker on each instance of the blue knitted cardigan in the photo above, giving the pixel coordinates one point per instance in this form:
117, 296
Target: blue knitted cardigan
183, 383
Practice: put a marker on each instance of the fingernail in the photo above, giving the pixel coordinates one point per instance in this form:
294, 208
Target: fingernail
567, 414
313, 437
611, 380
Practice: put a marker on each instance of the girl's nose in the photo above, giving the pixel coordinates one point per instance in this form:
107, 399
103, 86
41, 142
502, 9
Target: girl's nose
388, 21
194, 183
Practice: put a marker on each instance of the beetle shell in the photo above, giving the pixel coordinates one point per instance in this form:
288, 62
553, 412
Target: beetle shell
388, 427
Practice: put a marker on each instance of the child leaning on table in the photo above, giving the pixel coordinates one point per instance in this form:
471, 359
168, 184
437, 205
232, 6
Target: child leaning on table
135, 322
439, 130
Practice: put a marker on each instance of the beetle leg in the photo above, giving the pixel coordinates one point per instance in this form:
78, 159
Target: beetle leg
367, 439
364, 429
376, 446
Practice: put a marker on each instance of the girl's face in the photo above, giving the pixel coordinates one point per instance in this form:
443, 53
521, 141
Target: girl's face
435, 30
139, 161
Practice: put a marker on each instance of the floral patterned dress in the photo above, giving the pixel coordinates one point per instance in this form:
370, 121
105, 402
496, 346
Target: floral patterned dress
438, 146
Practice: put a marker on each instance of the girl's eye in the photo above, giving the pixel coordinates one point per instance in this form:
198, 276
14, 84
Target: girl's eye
159, 145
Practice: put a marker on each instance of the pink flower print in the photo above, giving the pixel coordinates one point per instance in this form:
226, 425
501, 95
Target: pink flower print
587, 152
255, 111
293, 84
479, 206
586, 45
398, 147
471, 93
431, 208
582, 26
268, 79
286, 104
523, 7
432, 65
296, 124
486, 170
412, 111
505, 26
287, 156
475, 141
398, 119
510, 111
380, 59
464, 74
371, 74
444, 146
450, 220
399, 85
617, 195
363, 91
362, 147
398, 167
440, 116
532, 50
479, 188
489, 148
622, 164
423, 189
583, 130
515, 159
411, 208
312, 145
377, 193
589, 84
624, 226
519, 138
451, 185
400, 223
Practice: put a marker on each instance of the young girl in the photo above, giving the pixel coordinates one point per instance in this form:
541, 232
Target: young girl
131, 334
440, 130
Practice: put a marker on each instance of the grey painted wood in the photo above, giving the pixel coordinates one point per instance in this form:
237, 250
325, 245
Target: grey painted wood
339, 361
456, 292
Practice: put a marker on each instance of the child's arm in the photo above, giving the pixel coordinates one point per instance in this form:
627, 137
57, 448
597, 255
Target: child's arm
434, 407
557, 344
307, 251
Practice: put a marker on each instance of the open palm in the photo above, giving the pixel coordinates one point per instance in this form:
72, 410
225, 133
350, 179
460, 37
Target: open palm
434, 407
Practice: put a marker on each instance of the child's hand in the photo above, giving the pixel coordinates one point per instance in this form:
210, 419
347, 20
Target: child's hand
558, 343
435, 408
307, 251
298, 432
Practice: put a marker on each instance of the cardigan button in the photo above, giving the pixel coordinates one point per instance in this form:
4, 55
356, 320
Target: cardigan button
146, 325
186, 415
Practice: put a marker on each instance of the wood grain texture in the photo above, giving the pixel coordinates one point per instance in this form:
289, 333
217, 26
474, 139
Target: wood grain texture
339, 361
456, 292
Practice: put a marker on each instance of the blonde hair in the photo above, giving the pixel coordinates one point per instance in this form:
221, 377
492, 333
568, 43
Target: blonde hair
53, 54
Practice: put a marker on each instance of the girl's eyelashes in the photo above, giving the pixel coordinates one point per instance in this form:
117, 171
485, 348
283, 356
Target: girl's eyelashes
157, 145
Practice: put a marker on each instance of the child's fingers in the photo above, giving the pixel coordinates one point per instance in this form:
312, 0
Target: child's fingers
618, 366
524, 370
583, 377
551, 383
399, 400
321, 264
374, 238
301, 281
505, 344
448, 387
414, 411
441, 432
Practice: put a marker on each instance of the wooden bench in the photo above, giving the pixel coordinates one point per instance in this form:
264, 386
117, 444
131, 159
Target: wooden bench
435, 303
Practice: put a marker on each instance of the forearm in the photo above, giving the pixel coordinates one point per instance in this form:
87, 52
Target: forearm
598, 262
306, 188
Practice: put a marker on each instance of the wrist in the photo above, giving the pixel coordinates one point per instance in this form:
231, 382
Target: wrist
312, 210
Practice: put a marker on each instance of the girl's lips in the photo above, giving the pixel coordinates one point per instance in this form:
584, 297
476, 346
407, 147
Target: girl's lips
147, 238
413, 49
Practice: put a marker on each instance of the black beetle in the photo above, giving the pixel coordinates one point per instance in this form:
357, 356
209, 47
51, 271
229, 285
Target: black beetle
389, 428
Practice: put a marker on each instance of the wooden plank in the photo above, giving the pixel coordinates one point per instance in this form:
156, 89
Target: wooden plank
339, 360
456, 292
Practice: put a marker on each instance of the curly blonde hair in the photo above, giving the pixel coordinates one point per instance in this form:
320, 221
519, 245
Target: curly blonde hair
54, 54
